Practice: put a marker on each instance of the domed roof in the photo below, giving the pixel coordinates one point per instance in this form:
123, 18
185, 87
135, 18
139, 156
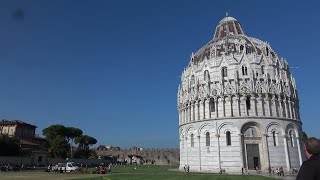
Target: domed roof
229, 37
228, 26
227, 18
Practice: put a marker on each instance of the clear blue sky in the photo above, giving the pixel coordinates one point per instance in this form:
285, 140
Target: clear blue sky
112, 67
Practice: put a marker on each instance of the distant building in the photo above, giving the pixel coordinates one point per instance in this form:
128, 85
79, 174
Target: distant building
238, 106
23, 131
135, 155
17, 128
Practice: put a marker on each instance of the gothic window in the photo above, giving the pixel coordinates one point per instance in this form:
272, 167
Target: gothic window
248, 103
244, 70
192, 80
267, 50
207, 139
212, 105
262, 69
274, 138
224, 72
192, 140
206, 76
291, 138
228, 138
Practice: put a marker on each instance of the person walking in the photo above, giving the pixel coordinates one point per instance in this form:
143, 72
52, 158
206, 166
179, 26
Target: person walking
310, 169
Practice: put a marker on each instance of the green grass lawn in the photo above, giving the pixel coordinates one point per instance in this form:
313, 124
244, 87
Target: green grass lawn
162, 173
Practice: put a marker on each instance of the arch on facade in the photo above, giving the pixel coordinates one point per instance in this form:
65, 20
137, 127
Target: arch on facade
274, 126
190, 129
211, 127
254, 126
229, 125
293, 127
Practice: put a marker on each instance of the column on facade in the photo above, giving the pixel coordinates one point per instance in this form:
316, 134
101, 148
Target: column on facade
246, 154
231, 108
268, 106
238, 105
243, 101
183, 115
191, 111
223, 106
241, 148
199, 150
201, 110
207, 109
216, 106
286, 151
254, 103
267, 155
204, 108
219, 158
290, 108
187, 113
285, 107
187, 154
196, 105
280, 107
260, 99
273, 106
180, 116
294, 115
299, 150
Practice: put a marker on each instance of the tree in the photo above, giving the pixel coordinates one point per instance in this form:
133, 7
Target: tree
10, 146
71, 134
84, 142
54, 130
56, 136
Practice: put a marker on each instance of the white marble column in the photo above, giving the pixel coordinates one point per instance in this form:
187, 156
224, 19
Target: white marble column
286, 151
268, 106
260, 99
207, 109
285, 107
196, 104
238, 105
191, 112
223, 106
290, 108
219, 158
187, 154
241, 149
216, 106
231, 108
201, 110
267, 155
294, 115
273, 107
280, 107
189, 109
299, 150
254, 104
199, 150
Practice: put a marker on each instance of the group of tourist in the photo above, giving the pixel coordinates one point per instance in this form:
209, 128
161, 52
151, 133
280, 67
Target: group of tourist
279, 171
186, 168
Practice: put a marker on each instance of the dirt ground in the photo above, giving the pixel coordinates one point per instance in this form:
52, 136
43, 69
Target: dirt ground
42, 176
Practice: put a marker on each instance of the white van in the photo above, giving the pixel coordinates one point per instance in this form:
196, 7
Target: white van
65, 167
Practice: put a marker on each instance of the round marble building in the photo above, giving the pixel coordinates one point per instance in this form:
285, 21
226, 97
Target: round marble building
238, 106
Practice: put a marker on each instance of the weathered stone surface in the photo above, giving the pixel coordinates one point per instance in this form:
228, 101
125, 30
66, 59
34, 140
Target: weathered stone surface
236, 93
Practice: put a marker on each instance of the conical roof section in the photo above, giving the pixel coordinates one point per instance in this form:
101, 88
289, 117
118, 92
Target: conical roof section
228, 26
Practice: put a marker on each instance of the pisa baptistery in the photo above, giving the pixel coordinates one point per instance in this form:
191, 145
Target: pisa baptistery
238, 106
